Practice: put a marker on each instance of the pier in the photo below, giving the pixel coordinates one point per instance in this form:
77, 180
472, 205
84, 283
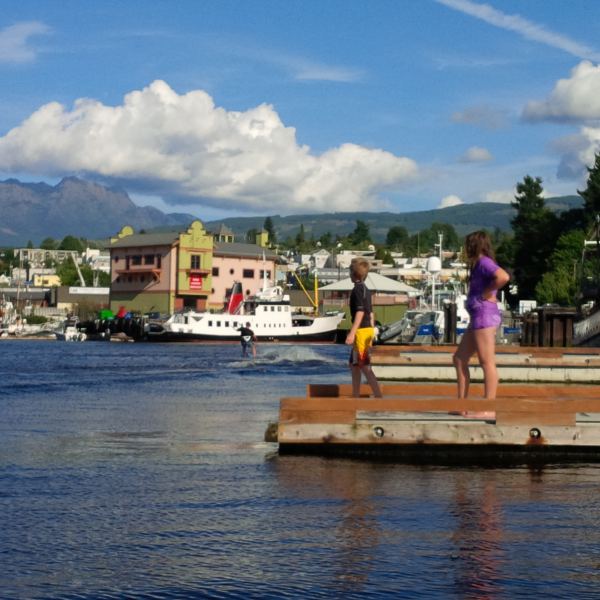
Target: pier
425, 422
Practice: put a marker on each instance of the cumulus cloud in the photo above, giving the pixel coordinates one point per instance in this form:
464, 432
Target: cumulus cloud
575, 98
525, 28
482, 116
186, 149
14, 41
578, 152
476, 154
450, 200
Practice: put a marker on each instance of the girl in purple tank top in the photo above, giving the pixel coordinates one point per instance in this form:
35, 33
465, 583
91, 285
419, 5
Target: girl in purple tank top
486, 277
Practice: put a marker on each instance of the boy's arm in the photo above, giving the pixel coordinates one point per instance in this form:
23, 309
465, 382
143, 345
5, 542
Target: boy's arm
355, 325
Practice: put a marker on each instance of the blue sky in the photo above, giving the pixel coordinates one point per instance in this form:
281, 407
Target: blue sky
230, 108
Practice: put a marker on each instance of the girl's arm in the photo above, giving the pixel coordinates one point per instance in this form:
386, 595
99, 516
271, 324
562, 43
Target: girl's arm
501, 278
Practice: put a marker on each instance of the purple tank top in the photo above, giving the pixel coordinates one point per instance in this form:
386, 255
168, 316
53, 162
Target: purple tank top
484, 313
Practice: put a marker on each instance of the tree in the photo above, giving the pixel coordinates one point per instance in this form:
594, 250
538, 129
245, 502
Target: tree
326, 240
300, 236
383, 255
560, 284
360, 235
534, 228
68, 273
591, 194
270, 229
397, 237
70, 242
49, 244
251, 236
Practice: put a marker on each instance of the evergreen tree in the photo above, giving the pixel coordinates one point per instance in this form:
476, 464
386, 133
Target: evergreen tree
591, 195
534, 228
360, 235
270, 229
300, 236
397, 237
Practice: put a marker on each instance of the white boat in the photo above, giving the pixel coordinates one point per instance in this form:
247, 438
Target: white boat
269, 313
69, 332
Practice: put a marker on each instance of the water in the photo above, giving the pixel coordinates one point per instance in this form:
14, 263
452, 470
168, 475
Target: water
139, 470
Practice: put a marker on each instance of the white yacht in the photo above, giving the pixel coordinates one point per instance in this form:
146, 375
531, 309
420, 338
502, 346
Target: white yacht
269, 313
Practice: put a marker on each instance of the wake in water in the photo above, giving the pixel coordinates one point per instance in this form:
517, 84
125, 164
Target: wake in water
286, 355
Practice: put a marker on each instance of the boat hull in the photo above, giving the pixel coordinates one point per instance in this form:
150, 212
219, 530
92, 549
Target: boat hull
178, 336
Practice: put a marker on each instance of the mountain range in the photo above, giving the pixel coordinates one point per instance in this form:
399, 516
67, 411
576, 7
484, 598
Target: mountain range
34, 211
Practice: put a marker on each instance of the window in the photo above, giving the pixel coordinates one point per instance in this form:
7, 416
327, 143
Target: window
136, 259
231, 271
264, 274
248, 273
148, 259
215, 271
226, 323
279, 309
218, 323
195, 261
158, 259
210, 323
116, 259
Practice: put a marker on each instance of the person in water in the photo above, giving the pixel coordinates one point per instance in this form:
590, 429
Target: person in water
485, 279
247, 339
362, 332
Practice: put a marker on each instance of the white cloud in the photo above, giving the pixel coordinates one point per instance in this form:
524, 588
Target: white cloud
476, 154
14, 41
579, 151
483, 116
186, 149
527, 29
576, 98
503, 196
451, 200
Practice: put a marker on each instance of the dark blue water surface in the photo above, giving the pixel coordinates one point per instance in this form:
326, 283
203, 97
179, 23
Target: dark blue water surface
139, 470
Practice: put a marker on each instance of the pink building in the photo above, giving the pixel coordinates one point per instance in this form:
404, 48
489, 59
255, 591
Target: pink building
246, 263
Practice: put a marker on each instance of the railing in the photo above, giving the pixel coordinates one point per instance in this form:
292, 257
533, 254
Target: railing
587, 328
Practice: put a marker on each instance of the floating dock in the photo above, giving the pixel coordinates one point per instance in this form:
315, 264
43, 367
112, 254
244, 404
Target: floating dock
515, 364
423, 422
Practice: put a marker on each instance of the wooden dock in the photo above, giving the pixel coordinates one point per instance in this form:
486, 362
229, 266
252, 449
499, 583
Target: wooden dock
515, 364
422, 422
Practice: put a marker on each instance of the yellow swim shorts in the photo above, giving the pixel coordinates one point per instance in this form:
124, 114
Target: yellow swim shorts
361, 349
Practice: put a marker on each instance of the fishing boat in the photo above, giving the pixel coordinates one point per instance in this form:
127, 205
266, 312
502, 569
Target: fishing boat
269, 314
69, 332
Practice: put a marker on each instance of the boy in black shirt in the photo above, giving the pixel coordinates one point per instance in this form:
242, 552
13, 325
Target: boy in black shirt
362, 332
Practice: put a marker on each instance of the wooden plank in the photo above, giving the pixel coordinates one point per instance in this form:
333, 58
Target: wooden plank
449, 389
288, 416
500, 349
469, 433
535, 419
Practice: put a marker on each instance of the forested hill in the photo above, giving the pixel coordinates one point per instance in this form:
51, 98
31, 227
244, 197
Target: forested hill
464, 218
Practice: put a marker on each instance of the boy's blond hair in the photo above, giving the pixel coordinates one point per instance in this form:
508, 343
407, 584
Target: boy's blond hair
360, 268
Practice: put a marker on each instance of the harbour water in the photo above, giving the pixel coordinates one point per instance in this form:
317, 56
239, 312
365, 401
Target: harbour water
140, 471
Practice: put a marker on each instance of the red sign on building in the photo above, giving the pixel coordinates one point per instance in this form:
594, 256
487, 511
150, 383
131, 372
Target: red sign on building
195, 282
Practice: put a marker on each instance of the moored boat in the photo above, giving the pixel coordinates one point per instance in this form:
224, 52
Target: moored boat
268, 313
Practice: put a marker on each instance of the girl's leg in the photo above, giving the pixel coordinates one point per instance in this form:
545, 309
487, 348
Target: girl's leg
372, 381
485, 342
355, 381
461, 357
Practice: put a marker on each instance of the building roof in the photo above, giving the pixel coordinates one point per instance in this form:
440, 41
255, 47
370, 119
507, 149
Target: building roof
240, 249
375, 283
146, 239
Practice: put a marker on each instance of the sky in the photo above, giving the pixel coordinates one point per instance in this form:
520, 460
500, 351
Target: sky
239, 108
